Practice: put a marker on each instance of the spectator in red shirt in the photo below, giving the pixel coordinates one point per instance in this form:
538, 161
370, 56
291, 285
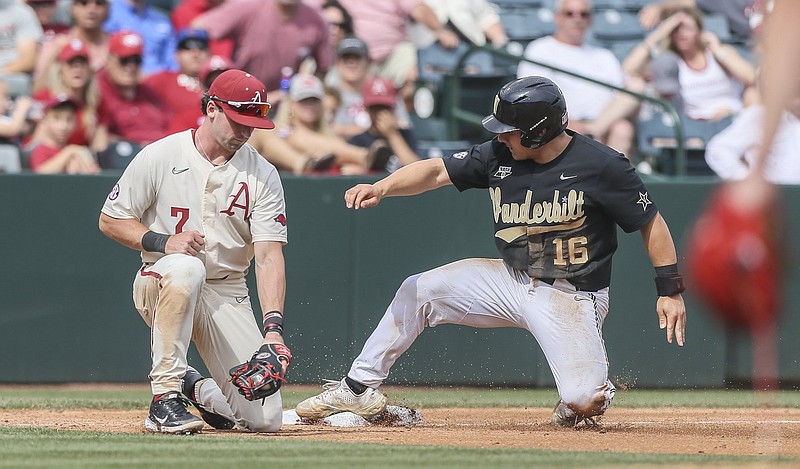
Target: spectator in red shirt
51, 153
70, 74
182, 88
270, 35
188, 10
87, 18
132, 110
191, 116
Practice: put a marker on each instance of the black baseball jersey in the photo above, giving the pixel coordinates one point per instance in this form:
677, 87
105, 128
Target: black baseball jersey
557, 220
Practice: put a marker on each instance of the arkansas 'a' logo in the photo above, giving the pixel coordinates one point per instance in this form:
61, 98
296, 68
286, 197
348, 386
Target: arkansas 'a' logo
281, 219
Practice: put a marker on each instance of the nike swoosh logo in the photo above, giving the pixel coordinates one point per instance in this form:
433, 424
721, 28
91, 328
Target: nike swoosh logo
178, 171
563, 178
240, 299
162, 420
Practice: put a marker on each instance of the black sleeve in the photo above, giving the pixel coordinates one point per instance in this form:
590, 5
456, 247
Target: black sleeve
624, 196
468, 169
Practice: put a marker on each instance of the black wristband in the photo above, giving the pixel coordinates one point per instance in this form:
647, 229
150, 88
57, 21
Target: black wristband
273, 322
668, 281
154, 242
667, 270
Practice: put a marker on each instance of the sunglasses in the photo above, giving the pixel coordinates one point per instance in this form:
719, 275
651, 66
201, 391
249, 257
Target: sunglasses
100, 3
132, 60
248, 108
575, 14
190, 44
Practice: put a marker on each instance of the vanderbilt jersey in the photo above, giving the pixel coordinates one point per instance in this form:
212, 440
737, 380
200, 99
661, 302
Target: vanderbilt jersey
170, 187
558, 220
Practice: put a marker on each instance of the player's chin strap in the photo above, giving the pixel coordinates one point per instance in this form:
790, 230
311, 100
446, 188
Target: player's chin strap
668, 281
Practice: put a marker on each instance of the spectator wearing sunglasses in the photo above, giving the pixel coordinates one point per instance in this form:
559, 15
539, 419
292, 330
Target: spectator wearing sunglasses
181, 89
20, 38
185, 13
340, 23
154, 27
567, 49
88, 17
132, 110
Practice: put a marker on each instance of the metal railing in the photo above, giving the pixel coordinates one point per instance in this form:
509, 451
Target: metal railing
454, 114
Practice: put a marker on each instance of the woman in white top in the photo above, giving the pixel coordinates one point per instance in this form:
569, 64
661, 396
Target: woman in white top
708, 77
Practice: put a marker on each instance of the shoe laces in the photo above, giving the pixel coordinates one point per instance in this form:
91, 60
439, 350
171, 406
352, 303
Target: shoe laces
331, 384
176, 405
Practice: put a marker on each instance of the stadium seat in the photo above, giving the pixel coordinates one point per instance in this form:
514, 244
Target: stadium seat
513, 4
656, 137
621, 49
718, 25
435, 62
616, 25
629, 5
525, 25
9, 159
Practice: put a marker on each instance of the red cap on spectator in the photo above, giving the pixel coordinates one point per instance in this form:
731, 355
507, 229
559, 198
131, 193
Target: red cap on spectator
73, 49
243, 98
379, 92
215, 63
53, 101
125, 44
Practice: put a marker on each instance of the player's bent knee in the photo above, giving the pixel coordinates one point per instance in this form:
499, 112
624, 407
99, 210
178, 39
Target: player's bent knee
187, 273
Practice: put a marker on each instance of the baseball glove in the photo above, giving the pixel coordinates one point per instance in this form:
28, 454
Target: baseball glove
263, 375
735, 262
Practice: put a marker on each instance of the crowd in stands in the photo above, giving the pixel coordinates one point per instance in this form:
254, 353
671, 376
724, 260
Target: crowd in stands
84, 86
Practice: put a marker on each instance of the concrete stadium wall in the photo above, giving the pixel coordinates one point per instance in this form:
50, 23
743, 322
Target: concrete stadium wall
66, 312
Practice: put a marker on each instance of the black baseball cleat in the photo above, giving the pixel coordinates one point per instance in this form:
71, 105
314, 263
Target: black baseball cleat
168, 414
190, 380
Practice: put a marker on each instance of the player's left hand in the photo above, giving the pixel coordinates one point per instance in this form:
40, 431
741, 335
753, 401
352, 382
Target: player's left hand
672, 316
264, 374
362, 196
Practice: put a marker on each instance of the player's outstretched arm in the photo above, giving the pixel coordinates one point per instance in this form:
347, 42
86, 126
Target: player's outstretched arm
670, 307
412, 179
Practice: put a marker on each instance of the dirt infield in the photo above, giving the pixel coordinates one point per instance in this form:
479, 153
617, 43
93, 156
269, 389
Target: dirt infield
666, 430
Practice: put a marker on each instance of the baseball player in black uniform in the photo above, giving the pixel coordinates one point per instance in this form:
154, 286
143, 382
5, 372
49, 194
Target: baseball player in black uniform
557, 197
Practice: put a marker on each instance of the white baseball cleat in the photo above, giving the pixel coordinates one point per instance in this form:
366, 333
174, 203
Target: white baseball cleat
337, 397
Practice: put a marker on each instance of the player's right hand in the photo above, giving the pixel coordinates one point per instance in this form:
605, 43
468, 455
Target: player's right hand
362, 196
188, 242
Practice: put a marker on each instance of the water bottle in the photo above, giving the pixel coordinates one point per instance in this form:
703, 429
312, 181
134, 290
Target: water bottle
286, 78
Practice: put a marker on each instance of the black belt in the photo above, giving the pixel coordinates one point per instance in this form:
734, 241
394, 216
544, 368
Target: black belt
551, 281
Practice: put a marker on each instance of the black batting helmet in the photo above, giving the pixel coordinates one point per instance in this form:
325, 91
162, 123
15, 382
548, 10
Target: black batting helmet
533, 105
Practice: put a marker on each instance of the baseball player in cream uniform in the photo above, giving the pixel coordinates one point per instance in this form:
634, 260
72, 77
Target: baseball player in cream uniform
200, 205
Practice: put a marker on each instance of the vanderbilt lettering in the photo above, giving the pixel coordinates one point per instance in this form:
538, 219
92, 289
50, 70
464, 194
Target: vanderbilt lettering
560, 210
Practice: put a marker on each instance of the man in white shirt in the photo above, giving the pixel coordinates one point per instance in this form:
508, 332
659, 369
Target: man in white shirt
567, 50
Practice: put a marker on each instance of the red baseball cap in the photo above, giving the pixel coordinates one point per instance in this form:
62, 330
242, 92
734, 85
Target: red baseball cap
125, 44
243, 98
215, 63
379, 92
73, 49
